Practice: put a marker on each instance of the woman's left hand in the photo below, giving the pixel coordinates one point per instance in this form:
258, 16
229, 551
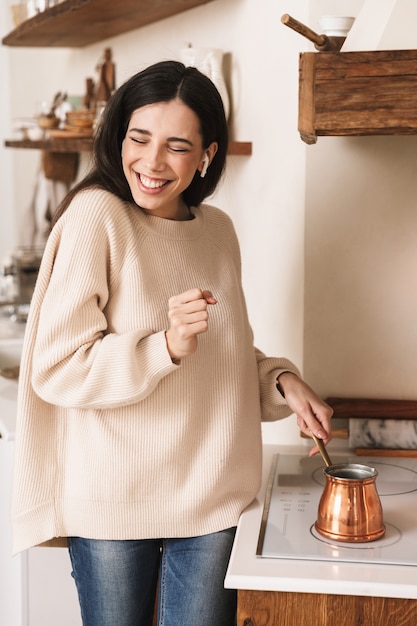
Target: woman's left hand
313, 414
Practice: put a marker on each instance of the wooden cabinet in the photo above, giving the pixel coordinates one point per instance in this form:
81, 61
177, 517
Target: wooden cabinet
357, 93
77, 23
270, 608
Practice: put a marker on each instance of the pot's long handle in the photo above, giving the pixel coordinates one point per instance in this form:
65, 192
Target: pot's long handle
337, 433
320, 41
319, 443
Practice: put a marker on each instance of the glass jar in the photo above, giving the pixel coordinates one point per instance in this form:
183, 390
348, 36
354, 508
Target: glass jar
26, 262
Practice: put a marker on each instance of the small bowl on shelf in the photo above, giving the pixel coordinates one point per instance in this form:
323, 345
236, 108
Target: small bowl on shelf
48, 121
80, 119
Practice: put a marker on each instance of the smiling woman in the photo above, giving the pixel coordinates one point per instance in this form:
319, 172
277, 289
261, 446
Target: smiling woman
159, 85
161, 153
141, 393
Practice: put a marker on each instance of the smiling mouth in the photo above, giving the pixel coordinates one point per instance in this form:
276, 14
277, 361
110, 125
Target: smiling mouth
152, 183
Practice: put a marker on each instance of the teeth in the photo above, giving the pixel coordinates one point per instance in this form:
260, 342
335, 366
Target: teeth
150, 183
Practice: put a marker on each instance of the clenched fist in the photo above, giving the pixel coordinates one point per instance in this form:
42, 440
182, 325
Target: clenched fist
188, 317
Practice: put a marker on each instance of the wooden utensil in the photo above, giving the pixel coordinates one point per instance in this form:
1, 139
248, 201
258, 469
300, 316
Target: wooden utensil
321, 42
322, 448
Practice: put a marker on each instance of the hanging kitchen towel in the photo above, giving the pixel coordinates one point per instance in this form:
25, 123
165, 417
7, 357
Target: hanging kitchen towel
46, 196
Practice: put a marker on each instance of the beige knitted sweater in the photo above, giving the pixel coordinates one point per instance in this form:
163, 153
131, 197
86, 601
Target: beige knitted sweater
113, 440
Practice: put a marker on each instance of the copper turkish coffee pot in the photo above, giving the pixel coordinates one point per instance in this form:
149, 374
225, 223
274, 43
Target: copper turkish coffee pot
350, 509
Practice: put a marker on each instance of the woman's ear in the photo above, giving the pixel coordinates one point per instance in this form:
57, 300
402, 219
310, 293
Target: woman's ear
206, 163
207, 159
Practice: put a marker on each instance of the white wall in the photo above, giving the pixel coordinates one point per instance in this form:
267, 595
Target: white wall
263, 193
361, 267
8, 222
361, 263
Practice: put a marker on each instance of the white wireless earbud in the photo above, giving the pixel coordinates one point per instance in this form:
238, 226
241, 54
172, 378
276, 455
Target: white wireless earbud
205, 166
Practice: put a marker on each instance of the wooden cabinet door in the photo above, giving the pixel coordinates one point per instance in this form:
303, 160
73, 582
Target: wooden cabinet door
275, 608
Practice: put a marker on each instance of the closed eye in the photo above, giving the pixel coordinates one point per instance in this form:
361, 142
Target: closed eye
176, 149
178, 145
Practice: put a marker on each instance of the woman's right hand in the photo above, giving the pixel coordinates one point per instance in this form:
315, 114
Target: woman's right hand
188, 317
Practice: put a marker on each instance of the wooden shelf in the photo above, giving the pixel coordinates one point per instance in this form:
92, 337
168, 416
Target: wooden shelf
357, 93
237, 148
240, 148
77, 23
52, 145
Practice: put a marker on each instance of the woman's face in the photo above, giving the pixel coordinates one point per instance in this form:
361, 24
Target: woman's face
161, 152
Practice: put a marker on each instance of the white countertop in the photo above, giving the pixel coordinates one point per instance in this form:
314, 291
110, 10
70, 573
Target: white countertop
247, 571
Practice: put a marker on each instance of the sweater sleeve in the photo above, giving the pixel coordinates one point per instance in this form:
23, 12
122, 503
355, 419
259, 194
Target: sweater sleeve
77, 360
273, 405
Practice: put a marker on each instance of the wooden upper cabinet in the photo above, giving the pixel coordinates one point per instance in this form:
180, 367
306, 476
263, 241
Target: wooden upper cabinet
77, 23
357, 93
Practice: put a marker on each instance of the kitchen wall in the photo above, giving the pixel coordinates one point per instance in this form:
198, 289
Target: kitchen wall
325, 230
360, 322
9, 224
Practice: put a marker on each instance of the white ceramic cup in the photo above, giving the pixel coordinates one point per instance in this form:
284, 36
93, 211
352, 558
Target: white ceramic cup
335, 25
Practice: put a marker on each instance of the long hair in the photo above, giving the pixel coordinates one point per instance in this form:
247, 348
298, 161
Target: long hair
161, 82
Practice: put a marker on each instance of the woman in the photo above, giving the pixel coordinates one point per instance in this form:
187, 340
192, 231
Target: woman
141, 393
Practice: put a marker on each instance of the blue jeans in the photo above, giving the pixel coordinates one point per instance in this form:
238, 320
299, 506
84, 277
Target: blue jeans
117, 580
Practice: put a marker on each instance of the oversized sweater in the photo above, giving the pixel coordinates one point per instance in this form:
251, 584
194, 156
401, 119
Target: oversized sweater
114, 440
